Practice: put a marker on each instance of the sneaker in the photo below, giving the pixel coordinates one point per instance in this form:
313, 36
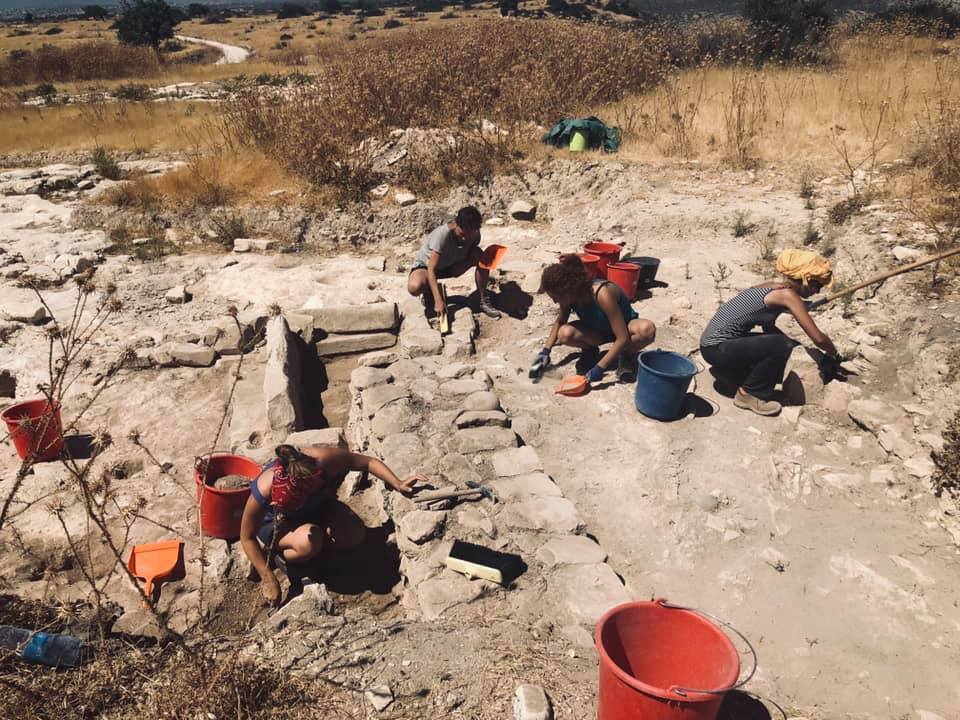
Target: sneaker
627, 368
489, 310
745, 401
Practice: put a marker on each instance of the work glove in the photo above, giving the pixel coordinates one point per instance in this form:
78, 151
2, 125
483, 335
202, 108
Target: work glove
544, 354
830, 368
595, 374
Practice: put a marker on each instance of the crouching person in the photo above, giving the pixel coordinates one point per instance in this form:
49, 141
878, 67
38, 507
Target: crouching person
294, 513
449, 251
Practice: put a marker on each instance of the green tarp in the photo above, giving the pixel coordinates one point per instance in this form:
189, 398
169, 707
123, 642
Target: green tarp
598, 133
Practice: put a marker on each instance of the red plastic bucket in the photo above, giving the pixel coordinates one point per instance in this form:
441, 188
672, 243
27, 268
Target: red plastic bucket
607, 252
626, 275
591, 263
663, 662
35, 428
219, 511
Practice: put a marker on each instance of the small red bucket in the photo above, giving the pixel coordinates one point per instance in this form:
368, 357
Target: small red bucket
626, 275
663, 662
607, 252
219, 511
35, 429
591, 263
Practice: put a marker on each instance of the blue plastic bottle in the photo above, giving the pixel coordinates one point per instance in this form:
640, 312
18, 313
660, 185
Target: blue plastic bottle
44, 648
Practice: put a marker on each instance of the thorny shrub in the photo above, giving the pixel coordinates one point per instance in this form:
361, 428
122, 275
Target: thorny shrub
83, 61
513, 74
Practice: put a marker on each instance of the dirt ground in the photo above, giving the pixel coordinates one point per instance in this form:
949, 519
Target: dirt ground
843, 575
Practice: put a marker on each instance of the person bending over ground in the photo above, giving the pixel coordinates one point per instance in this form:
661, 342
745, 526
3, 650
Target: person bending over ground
604, 316
293, 506
756, 360
449, 251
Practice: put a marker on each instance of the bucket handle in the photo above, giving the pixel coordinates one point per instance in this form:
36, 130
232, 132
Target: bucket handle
682, 691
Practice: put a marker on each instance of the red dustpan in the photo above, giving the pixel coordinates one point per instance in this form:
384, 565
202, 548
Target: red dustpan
155, 562
573, 386
492, 256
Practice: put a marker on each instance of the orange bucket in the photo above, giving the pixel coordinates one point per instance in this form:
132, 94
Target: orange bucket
626, 275
220, 511
607, 252
35, 429
592, 265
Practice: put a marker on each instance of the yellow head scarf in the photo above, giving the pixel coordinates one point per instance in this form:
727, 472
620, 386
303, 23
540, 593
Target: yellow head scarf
805, 265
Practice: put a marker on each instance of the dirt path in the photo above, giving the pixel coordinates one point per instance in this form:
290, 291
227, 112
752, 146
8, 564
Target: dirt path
231, 53
841, 577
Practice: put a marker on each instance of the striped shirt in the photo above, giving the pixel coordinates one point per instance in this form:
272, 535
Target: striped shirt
739, 315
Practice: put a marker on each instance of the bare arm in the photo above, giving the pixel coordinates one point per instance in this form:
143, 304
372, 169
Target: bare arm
607, 299
253, 514
794, 303
562, 317
432, 267
337, 461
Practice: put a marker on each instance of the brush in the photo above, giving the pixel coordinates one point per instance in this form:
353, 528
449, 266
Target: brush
477, 561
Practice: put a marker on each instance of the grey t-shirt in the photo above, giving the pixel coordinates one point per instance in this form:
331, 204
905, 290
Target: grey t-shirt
451, 248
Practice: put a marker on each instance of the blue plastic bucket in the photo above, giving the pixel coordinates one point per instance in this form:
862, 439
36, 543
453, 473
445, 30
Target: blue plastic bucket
662, 381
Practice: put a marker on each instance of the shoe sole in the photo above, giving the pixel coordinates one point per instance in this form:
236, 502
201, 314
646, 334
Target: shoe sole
745, 406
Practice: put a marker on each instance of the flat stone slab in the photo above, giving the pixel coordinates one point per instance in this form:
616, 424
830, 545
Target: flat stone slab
590, 590
403, 453
481, 418
482, 439
422, 525
326, 437
481, 401
348, 344
190, 355
454, 371
571, 550
380, 359
22, 306
397, 417
374, 317
419, 343
873, 414
379, 396
522, 486
548, 514
516, 461
366, 377
530, 702
437, 595
464, 386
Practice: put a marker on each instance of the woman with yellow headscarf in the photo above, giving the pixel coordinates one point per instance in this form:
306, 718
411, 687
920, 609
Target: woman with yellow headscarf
756, 360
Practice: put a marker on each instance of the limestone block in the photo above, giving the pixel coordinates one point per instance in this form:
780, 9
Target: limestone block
418, 343
465, 386
326, 437
590, 590
522, 210
480, 439
397, 417
422, 525
516, 461
190, 355
380, 359
571, 550
348, 344
374, 317
473, 418
531, 703
281, 380
521, 486
379, 396
437, 595
872, 415
480, 401
366, 377
549, 514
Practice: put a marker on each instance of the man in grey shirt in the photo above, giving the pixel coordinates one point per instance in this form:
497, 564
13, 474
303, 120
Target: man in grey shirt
449, 251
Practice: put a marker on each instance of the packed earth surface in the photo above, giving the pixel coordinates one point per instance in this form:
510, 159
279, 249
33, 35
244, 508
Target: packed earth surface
815, 533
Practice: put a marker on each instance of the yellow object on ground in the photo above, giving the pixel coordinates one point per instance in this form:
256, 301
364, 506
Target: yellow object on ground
805, 265
578, 142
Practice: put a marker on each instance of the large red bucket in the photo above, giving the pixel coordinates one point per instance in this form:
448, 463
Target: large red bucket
663, 662
626, 276
35, 429
220, 511
607, 252
591, 264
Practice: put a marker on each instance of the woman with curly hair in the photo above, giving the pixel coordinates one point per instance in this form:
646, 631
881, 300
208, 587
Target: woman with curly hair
756, 361
293, 509
604, 315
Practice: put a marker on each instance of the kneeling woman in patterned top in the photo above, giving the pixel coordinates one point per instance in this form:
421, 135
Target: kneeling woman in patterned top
756, 360
293, 508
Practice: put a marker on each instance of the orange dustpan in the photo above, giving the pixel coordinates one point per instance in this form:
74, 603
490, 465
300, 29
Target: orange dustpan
573, 386
492, 256
155, 562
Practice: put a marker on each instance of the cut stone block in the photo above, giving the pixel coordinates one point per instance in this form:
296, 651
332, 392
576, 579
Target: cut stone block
454, 371
375, 317
302, 324
422, 525
482, 418
522, 210
481, 439
571, 550
281, 380
379, 396
466, 386
379, 359
190, 355
538, 512
480, 401
403, 453
872, 415
348, 344
516, 461
418, 343
531, 703
521, 486
590, 590
367, 377
326, 437
397, 417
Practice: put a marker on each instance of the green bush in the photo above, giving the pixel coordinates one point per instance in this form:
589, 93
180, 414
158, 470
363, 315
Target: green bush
45, 90
946, 477
147, 22
228, 228
105, 164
